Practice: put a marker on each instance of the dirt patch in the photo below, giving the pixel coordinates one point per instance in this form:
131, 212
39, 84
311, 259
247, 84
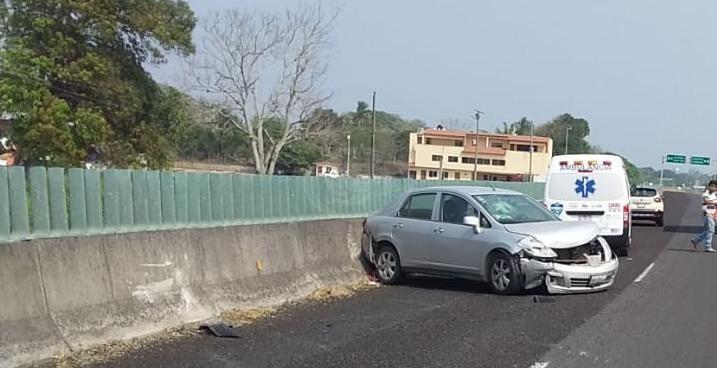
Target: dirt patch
118, 349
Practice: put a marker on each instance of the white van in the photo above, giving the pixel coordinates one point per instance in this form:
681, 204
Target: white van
592, 188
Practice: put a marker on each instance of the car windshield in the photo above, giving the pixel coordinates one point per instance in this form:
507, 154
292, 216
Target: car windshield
644, 192
514, 208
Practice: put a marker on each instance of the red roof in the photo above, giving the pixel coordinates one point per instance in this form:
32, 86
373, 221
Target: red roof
463, 134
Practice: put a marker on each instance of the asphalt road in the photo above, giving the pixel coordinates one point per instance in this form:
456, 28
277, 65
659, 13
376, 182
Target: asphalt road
428, 322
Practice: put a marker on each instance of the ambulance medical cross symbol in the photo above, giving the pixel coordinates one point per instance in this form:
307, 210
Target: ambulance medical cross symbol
585, 187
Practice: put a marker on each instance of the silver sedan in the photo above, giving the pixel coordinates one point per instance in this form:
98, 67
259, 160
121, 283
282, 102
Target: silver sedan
502, 237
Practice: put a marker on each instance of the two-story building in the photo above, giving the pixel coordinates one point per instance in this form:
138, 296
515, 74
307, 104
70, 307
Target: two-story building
436, 154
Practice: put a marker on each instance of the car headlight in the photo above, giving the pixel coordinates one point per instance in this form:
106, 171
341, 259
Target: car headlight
535, 248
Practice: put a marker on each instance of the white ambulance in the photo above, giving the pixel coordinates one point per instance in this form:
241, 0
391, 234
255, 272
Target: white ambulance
592, 188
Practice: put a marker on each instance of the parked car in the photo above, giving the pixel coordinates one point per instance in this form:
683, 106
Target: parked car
592, 188
502, 237
647, 204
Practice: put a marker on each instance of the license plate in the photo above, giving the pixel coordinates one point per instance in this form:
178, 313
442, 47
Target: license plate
641, 206
584, 218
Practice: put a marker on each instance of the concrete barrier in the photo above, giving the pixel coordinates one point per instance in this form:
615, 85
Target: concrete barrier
75, 292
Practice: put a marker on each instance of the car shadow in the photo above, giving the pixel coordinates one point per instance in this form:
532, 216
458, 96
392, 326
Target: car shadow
427, 282
684, 229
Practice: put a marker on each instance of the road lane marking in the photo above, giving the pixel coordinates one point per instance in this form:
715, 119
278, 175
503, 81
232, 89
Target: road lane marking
645, 272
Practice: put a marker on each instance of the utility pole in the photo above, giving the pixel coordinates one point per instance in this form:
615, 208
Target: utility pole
662, 171
348, 156
532, 125
373, 136
567, 134
475, 157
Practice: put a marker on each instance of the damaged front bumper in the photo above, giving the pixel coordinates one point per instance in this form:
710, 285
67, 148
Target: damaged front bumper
561, 278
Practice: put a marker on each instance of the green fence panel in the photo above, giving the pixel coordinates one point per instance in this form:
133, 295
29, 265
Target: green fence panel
262, 199
154, 199
75, 201
294, 193
19, 215
181, 196
111, 199
217, 198
4, 205
59, 217
241, 213
280, 194
227, 188
169, 205
194, 201
93, 199
140, 201
77, 197
126, 206
205, 198
39, 201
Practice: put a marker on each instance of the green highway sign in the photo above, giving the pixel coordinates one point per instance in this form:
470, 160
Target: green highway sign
676, 159
697, 160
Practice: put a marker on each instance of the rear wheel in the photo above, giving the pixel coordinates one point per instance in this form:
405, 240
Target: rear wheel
660, 222
504, 274
388, 265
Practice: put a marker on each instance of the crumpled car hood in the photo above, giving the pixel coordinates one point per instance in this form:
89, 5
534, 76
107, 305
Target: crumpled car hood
558, 234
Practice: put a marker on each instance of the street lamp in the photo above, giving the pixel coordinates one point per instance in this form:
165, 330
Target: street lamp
567, 134
348, 156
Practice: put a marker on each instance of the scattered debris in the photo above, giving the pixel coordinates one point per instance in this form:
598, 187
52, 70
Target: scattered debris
543, 299
220, 330
118, 349
340, 292
240, 317
540, 365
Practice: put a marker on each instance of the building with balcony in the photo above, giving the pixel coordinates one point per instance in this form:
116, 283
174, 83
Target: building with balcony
436, 154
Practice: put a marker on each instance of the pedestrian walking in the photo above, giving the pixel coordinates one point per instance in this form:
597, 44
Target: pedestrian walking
709, 211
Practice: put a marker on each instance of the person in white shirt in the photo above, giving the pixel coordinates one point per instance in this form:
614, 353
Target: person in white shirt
709, 208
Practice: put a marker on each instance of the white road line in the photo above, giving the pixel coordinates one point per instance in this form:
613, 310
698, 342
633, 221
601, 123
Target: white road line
645, 272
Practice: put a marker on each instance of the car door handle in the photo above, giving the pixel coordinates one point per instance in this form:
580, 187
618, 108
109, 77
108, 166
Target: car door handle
438, 230
398, 226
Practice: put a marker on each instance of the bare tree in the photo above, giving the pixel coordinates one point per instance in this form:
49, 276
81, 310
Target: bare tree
265, 70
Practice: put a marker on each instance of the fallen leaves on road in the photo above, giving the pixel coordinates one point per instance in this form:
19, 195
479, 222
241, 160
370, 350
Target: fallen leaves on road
240, 317
340, 292
118, 349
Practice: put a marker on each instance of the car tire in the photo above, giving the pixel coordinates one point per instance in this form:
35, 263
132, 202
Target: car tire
660, 222
504, 274
388, 265
623, 252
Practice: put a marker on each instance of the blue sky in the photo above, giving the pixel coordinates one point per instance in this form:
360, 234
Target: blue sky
643, 73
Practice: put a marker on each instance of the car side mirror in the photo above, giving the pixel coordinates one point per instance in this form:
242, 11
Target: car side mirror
473, 222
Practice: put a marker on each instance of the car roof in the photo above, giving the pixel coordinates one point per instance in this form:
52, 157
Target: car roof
465, 190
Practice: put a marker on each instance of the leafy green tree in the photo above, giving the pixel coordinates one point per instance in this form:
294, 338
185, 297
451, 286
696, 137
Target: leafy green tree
71, 74
634, 174
520, 127
557, 130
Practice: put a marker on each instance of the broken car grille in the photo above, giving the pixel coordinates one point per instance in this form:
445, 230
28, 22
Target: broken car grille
577, 254
575, 282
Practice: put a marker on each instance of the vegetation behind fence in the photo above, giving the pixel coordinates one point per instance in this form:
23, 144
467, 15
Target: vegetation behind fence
39, 202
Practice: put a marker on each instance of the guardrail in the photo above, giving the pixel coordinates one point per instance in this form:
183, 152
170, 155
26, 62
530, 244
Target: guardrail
43, 202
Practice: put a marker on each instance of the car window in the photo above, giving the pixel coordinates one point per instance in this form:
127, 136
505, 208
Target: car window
418, 206
644, 192
514, 208
454, 209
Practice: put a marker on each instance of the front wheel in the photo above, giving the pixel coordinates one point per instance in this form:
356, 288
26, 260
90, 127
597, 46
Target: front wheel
388, 265
504, 274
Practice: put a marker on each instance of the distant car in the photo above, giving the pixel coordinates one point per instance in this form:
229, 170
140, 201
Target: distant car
647, 204
502, 237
